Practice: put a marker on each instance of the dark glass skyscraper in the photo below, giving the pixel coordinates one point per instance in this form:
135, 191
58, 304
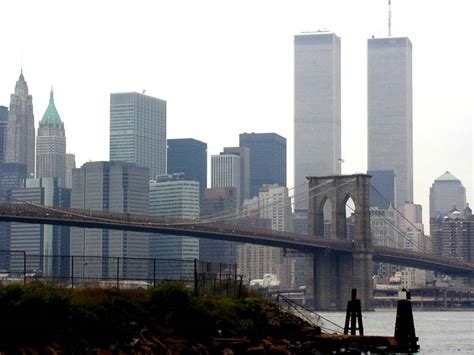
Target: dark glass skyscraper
383, 183
267, 159
189, 156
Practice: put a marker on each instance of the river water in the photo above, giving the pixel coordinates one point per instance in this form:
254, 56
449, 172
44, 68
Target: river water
438, 332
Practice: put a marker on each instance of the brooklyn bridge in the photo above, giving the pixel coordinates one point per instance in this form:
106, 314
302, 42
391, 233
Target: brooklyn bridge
338, 264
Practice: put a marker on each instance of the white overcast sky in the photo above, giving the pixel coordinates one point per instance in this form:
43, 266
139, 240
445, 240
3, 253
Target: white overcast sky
226, 67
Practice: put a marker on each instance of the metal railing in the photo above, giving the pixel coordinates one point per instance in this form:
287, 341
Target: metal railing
205, 278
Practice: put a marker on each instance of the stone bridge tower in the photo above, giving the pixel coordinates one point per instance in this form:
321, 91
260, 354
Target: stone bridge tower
336, 273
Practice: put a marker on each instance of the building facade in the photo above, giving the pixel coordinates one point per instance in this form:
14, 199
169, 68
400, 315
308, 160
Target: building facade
219, 202
138, 131
244, 154
189, 156
20, 137
317, 108
51, 145
225, 172
253, 261
267, 159
173, 197
70, 166
12, 176
3, 132
112, 187
390, 111
41, 241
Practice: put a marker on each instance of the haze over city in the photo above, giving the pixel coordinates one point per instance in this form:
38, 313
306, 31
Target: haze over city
226, 69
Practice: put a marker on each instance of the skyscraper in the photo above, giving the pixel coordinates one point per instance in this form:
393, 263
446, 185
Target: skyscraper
267, 159
390, 122
138, 131
244, 154
189, 156
225, 172
3, 131
317, 108
115, 187
51, 145
446, 192
20, 138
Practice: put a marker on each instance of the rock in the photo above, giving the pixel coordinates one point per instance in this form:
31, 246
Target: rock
227, 351
256, 350
278, 349
49, 351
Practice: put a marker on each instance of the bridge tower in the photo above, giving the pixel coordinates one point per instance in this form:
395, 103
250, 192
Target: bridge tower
335, 274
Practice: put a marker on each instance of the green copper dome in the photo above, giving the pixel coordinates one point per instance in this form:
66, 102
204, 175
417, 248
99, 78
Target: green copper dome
51, 115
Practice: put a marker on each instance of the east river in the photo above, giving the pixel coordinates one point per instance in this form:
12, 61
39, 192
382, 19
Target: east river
438, 332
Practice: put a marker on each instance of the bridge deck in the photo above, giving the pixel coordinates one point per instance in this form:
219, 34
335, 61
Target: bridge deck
27, 213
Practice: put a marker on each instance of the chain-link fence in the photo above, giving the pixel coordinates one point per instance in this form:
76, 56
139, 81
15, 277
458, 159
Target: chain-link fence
119, 272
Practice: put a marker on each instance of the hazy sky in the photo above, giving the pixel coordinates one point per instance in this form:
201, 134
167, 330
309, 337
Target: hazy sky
226, 67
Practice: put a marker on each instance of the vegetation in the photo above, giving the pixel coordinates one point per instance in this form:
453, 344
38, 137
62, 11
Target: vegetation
40, 314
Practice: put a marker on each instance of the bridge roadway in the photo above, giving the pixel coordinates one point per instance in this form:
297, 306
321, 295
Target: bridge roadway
27, 213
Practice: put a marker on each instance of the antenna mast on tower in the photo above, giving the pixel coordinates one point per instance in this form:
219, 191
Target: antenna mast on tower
389, 18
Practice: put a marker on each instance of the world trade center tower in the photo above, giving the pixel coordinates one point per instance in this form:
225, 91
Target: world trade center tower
390, 121
317, 109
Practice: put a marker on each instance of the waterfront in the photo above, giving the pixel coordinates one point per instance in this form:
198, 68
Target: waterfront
439, 332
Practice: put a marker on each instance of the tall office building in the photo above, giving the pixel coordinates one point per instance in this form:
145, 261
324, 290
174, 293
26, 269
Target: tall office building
382, 190
267, 159
3, 131
317, 108
41, 239
138, 131
51, 145
189, 156
390, 121
112, 187
446, 192
172, 197
218, 202
70, 166
20, 137
244, 154
225, 172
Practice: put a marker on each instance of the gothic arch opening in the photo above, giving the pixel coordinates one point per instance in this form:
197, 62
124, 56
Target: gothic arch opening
349, 220
326, 220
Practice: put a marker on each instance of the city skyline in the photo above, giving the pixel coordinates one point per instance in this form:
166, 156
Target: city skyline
194, 117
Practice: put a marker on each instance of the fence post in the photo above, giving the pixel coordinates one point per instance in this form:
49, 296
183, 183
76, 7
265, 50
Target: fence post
154, 272
240, 287
118, 275
24, 267
195, 278
72, 271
